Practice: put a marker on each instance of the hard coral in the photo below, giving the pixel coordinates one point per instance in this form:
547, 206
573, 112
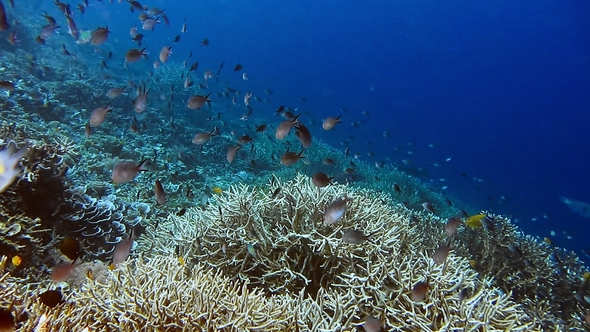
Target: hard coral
277, 242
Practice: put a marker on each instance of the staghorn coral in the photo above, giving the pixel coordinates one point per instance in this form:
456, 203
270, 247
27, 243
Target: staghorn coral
548, 282
279, 245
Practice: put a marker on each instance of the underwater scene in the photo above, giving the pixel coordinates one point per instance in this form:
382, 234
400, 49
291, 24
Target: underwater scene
190, 165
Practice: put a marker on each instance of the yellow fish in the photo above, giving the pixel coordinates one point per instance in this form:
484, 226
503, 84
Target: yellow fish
181, 260
16, 260
475, 221
217, 190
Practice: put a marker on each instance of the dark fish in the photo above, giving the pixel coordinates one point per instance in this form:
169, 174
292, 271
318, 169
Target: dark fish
276, 192
261, 128
429, 207
181, 212
290, 158
231, 153
238, 67
330, 122
303, 135
51, 298
397, 188
3, 21
7, 320
419, 291
285, 127
205, 42
197, 101
177, 39
160, 193
70, 248
321, 180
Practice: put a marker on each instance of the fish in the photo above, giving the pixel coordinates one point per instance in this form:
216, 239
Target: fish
335, 211
419, 291
328, 161
202, 138
452, 225
197, 101
72, 29
16, 261
164, 53
181, 212
134, 55
140, 102
160, 193
99, 115
276, 193
176, 40
238, 67
62, 272
330, 122
244, 76
10, 156
397, 188
231, 153
3, 20
372, 324
285, 127
261, 128
475, 220
51, 298
290, 158
580, 208
217, 190
7, 86
123, 249
7, 322
183, 29
127, 170
205, 42
303, 135
99, 36
70, 248
115, 92
429, 207
321, 179
441, 253
352, 236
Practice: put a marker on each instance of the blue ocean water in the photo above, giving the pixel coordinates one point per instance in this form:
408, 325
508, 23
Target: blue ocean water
498, 87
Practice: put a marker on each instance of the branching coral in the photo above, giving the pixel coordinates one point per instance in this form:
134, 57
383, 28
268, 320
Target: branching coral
275, 240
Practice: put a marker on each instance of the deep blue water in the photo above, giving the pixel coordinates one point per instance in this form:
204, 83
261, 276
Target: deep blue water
499, 86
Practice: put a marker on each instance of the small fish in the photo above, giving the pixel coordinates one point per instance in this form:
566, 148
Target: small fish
330, 122
285, 127
335, 211
290, 158
164, 53
251, 250
238, 67
429, 207
419, 291
16, 261
123, 249
3, 20
231, 153
62, 272
183, 29
244, 76
372, 324
70, 248
127, 170
51, 298
160, 193
276, 192
134, 55
181, 212
217, 190
303, 135
99, 36
197, 101
7, 322
321, 179
205, 42
452, 225
352, 236
397, 188
202, 138
441, 253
